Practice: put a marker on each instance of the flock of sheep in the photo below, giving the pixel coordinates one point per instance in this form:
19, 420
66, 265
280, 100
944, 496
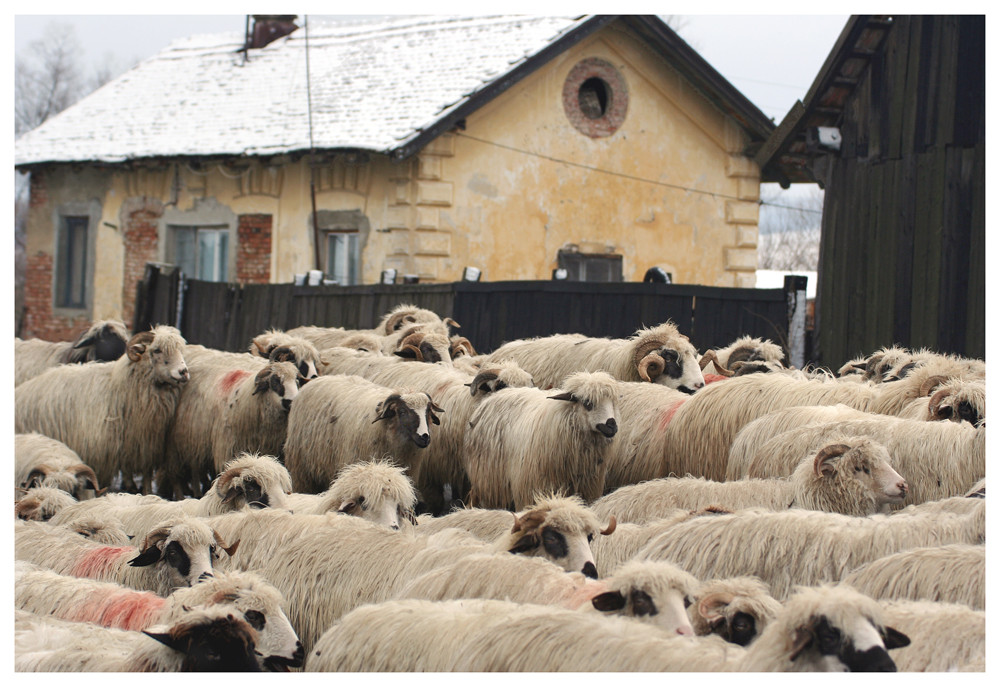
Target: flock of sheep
390, 500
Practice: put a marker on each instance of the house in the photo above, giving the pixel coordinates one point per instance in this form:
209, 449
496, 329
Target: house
893, 128
596, 146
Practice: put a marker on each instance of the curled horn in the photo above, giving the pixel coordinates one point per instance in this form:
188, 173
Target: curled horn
137, 345
826, 453
452, 323
408, 348
612, 524
42, 471
222, 484
709, 606
397, 321
934, 405
281, 354
931, 383
26, 507
711, 357
481, 378
462, 346
230, 550
87, 473
155, 537
651, 367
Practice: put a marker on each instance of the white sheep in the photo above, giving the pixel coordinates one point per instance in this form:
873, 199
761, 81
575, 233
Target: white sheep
944, 637
459, 394
42, 503
797, 546
116, 415
176, 553
660, 354
939, 459
205, 639
401, 316
737, 609
525, 441
953, 399
277, 346
610, 553
953, 573
249, 480
104, 340
819, 629
40, 461
336, 420
849, 475
97, 527
374, 490
744, 349
112, 605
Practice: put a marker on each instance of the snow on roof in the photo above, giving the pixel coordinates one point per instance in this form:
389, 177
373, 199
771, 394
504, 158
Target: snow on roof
374, 86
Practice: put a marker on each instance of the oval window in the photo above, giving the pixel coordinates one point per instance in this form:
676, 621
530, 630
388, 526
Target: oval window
595, 97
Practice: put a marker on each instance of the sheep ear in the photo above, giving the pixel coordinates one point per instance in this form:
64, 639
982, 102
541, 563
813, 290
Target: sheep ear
802, 639
386, 409
525, 543
893, 638
824, 465
165, 638
347, 506
34, 478
564, 396
262, 381
710, 607
147, 557
608, 601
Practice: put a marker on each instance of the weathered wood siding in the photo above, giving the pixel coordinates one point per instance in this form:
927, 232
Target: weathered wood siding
904, 219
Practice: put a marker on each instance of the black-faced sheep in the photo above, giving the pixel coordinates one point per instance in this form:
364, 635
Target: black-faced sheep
112, 605
205, 639
744, 349
527, 441
944, 637
340, 419
115, 416
40, 461
176, 553
852, 475
737, 609
819, 629
104, 341
796, 546
660, 354
376, 490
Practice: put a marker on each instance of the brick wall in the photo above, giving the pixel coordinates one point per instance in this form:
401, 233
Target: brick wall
140, 247
253, 249
39, 322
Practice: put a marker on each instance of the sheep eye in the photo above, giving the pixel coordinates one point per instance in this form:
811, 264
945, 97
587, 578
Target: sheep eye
211, 551
868, 471
255, 618
687, 601
588, 405
590, 538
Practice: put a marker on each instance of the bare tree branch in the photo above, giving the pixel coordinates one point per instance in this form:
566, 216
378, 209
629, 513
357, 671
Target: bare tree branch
789, 226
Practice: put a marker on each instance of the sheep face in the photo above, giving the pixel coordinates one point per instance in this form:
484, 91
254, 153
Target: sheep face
498, 377
79, 481
278, 382
305, 365
220, 645
377, 491
42, 503
736, 627
253, 481
184, 551
668, 612
858, 647
413, 414
675, 366
593, 398
105, 340
561, 533
386, 513
161, 350
861, 470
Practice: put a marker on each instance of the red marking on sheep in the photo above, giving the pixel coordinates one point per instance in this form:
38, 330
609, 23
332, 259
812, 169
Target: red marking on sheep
125, 610
669, 414
710, 378
99, 562
231, 379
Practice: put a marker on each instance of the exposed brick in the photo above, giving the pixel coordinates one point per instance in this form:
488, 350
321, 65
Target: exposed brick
39, 321
141, 243
614, 115
253, 249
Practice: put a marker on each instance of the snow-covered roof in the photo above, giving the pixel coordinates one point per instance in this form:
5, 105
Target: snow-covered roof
372, 86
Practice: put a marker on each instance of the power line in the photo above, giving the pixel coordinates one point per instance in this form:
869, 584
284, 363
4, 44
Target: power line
631, 177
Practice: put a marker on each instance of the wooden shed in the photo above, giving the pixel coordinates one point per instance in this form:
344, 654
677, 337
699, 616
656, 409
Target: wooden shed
893, 128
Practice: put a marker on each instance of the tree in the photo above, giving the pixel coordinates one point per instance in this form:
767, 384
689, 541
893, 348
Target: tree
790, 224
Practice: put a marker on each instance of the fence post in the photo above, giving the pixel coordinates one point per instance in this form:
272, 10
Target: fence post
795, 298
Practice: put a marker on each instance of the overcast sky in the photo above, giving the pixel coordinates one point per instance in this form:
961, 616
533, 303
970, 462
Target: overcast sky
772, 59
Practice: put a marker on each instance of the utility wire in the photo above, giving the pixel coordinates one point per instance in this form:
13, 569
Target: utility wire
629, 176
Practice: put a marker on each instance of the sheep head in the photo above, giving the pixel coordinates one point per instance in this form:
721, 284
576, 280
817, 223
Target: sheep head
855, 478
668, 358
560, 529
414, 413
281, 379
186, 548
304, 361
161, 349
218, 644
712, 357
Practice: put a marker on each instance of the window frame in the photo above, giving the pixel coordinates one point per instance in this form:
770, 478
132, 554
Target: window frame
90, 212
174, 230
575, 264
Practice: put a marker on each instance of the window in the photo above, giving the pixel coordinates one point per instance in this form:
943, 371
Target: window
342, 257
71, 270
590, 266
201, 252
595, 97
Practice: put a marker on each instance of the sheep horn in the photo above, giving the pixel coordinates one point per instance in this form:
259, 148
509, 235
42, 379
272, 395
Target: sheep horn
154, 538
651, 367
826, 454
405, 351
708, 607
230, 550
137, 345
712, 357
225, 478
42, 471
87, 472
931, 383
644, 347
612, 524
481, 378
452, 323
934, 405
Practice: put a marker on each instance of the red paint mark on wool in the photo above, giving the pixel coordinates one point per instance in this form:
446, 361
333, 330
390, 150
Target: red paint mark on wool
669, 415
125, 610
710, 378
99, 561
231, 379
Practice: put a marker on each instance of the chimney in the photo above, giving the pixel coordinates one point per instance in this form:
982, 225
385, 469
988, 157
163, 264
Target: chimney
270, 27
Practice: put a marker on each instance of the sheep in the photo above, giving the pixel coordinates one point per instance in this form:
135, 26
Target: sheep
850, 475
375, 490
419, 342
661, 355
111, 605
104, 340
943, 636
331, 422
955, 399
176, 553
40, 461
277, 346
249, 480
116, 415
519, 442
401, 316
737, 609
939, 459
610, 553
819, 629
896, 397
797, 546
459, 394
743, 349
235, 402
42, 503
954, 573
105, 529
977, 490
205, 639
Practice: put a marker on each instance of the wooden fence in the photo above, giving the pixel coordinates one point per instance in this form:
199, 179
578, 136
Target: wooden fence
228, 316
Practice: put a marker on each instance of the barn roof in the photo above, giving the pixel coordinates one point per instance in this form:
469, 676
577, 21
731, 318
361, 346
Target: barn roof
388, 87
